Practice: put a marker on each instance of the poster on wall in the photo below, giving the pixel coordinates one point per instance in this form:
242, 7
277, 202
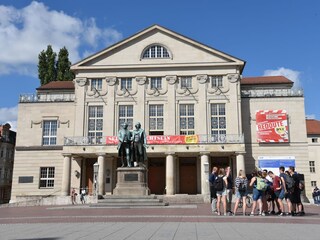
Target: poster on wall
272, 163
272, 126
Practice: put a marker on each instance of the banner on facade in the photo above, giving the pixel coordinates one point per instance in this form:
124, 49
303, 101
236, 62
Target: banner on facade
175, 139
272, 163
272, 126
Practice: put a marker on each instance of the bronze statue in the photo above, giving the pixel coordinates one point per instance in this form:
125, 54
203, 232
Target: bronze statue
124, 145
139, 145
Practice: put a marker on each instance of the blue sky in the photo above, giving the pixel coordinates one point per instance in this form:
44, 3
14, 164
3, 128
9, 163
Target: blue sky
273, 37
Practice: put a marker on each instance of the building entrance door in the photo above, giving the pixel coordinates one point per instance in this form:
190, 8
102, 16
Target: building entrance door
188, 175
89, 175
156, 175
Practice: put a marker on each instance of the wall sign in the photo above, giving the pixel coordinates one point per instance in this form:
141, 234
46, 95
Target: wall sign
272, 126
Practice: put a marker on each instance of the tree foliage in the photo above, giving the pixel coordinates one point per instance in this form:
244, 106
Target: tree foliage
51, 70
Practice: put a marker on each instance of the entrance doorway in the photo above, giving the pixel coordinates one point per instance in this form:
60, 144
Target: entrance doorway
156, 175
188, 175
89, 175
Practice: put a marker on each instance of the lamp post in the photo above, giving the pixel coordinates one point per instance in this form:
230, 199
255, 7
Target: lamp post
95, 178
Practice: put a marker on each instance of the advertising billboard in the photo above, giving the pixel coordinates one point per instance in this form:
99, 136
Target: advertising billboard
272, 126
272, 163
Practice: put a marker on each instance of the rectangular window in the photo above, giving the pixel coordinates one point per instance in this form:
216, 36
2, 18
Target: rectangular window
314, 140
126, 83
312, 166
49, 133
156, 83
6, 173
216, 81
218, 122
46, 177
186, 82
156, 119
313, 183
186, 119
95, 123
126, 115
96, 84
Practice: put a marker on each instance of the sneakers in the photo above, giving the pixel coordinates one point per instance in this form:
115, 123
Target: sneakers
252, 214
281, 214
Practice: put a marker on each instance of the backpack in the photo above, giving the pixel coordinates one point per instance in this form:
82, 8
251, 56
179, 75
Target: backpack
289, 182
242, 187
261, 184
218, 183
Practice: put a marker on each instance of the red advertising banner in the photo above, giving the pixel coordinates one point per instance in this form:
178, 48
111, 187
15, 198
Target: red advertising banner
272, 126
175, 139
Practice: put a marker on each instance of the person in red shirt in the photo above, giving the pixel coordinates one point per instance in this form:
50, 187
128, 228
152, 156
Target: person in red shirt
278, 191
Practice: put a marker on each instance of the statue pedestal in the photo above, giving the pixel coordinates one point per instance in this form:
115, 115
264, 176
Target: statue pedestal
131, 181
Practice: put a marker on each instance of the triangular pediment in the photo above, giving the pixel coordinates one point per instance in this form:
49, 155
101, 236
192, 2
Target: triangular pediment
183, 51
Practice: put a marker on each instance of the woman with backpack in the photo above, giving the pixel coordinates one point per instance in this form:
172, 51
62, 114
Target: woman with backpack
259, 187
220, 184
241, 183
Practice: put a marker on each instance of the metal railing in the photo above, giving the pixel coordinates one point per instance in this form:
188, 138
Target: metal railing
296, 92
35, 97
163, 139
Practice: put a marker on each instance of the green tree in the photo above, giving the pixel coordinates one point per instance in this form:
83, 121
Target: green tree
46, 66
63, 66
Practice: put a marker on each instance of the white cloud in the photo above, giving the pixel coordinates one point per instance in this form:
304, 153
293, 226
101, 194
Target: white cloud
288, 73
9, 115
25, 32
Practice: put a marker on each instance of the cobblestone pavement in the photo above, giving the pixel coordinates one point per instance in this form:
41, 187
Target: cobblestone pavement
172, 222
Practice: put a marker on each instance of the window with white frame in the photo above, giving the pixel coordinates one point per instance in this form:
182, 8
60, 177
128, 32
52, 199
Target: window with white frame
46, 177
156, 51
96, 84
314, 140
126, 83
186, 119
126, 115
49, 133
186, 82
156, 119
216, 81
218, 120
95, 123
313, 183
155, 82
312, 166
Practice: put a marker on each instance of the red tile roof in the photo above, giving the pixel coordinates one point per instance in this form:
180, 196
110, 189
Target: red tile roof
57, 85
265, 80
313, 126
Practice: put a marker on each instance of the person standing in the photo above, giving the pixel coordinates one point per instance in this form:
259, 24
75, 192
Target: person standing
73, 196
213, 192
241, 186
295, 195
278, 191
229, 189
220, 184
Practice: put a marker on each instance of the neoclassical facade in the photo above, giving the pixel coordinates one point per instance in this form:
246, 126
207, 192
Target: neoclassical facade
195, 106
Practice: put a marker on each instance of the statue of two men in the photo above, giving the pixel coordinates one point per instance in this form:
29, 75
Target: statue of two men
132, 145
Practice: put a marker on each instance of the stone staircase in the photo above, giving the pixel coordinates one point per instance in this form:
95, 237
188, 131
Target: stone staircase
115, 201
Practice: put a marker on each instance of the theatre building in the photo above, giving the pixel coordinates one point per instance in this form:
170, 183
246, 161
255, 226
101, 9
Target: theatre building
191, 99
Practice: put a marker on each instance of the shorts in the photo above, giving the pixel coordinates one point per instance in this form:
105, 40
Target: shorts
280, 194
222, 193
295, 197
257, 194
241, 194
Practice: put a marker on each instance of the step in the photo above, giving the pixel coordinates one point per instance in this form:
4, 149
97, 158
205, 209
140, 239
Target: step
128, 200
154, 204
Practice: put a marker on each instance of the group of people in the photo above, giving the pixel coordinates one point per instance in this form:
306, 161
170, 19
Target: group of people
316, 195
74, 195
132, 145
268, 192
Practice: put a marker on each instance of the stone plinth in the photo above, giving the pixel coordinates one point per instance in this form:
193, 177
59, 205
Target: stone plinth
131, 181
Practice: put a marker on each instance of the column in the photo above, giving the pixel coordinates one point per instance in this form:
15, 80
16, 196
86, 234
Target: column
101, 173
170, 174
65, 188
205, 173
240, 163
